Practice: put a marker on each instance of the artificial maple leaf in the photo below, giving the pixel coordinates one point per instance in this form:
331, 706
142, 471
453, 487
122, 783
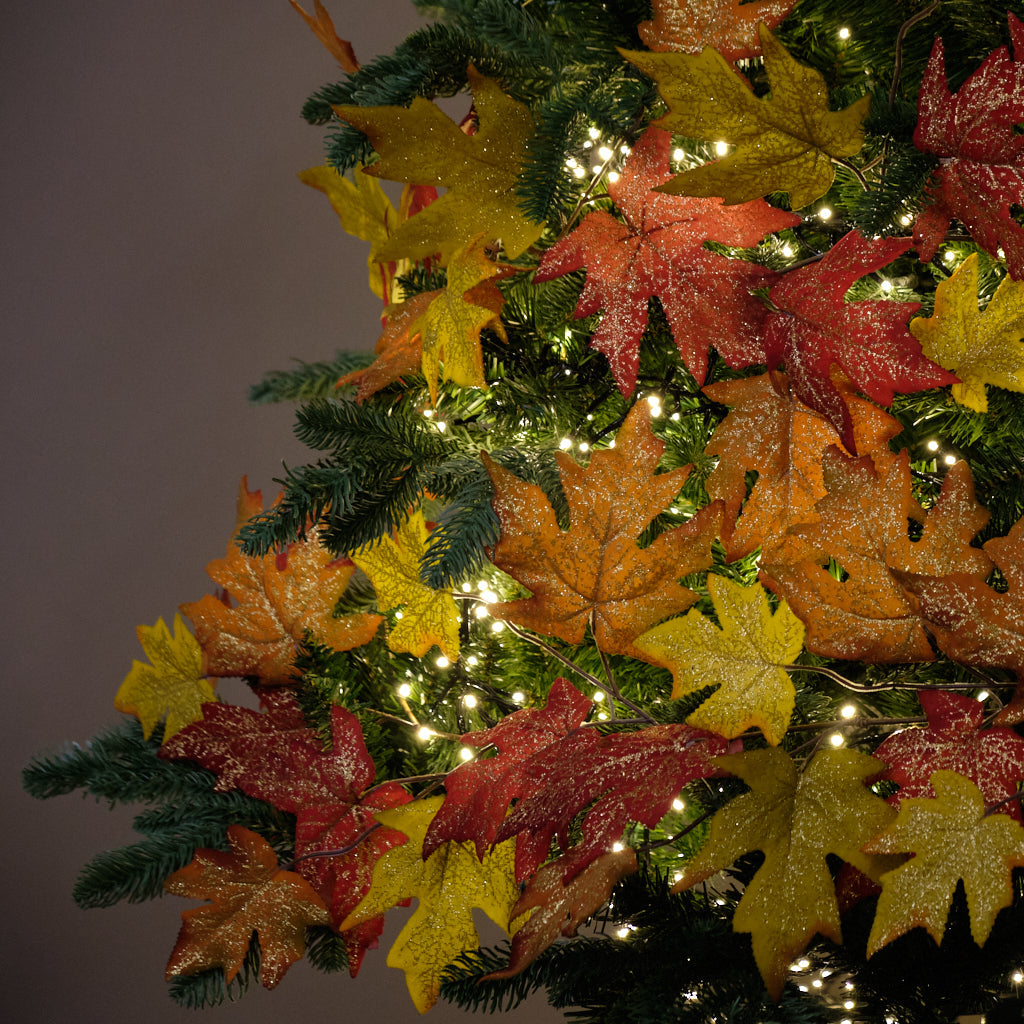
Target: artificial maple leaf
595, 571
172, 687
280, 597
812, 329
420, 143
616, 779
952, 840
448, 884
796, 819
729, 26
559, 907
745, 659
247, 892
657, 249
479, 792
275, 756
974, 624
323, 28
429, 616
863, 523
364, 211
993, 759
975, 135
450, 325
783, 144
769, 430
979, 347
399, 349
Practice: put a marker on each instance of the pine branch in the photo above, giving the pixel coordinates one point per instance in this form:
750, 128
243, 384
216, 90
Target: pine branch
207, 988
308, 381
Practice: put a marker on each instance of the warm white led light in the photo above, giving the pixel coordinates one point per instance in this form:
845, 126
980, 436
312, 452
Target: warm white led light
932, 446
677, 804
405, 690
981, 696
836, 739
469, 700
721, 148
466, 754
848, 711
442, 662
622, 932
497, 627
949, 255
604, 153
678, 154
424, 733
579, 172
803, 963
1017, 977
584, 447
617, 847
565, 444
844, 33
849, 1004
599, 695
594, 132
887, 285
571, 163
519, 696
825, 213
787, 250
480, 611
949, 459
472, 660
613, 176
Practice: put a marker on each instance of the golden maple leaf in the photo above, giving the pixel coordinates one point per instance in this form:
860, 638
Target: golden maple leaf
172, 687
952, 840
745, 659
448, 884
596, 572
797, 819
979, 347
785, 143
421, 144
428, 616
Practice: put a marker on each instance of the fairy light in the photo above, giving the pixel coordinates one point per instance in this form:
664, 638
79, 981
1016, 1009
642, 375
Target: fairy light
949, 256
572, 163
442, 426
613, 176
467, 588
424, 733
836, 739
949, 460
583, 447
605, 153
624, 149
469, 700
599, 695
398, 614
497, 626
721, 148
1017, 977
787, 250
518, 697
981, 696
428, 413
480, 611
594, 132
678, 155
803, 963
466, 754
817, 983
565, 444
825, 213
844, 33
579, 172
442, 662
849, 1004
617, 847
847, 711
932, 446
588, 144
887, 285
622, 932
678, 805
602, 716
472, 660
405, 691
906, 219
488, 596
596, 169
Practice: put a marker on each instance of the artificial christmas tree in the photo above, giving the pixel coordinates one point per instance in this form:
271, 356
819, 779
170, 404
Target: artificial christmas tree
662, 572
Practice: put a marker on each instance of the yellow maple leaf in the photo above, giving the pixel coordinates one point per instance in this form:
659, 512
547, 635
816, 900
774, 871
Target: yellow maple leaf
450, 326
421, 144
783, 144
797, 819
172, 687
952, 839
428, 616
744, 658
365, 212
979, 347
448, 885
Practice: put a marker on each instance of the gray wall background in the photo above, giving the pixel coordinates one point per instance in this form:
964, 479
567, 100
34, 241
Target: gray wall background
158, 255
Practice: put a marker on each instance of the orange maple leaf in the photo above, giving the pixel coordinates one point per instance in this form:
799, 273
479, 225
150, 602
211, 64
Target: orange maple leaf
323, 28
771, 431
247, 892
279, 598
864, 528
595, 572
690, 25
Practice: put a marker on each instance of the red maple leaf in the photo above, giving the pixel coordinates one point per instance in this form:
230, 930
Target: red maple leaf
993, 759
275, 756
982, 156
657, 249
479, 792
813, 329
624, 776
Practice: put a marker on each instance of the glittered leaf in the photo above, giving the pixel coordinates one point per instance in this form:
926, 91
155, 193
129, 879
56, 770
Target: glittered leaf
615, 779
559, 908
864, 527
729, 26
421, 144
813, 329
479, 792
657, 249
399, 349
973, 623
976, 135
429, 616
279, 598
952, 840
247, 893
745, 659
323, 28
953, 740
796, 819
785, 143
448, 885
172, 686
979, 347
450, 325
769, 430
595, 570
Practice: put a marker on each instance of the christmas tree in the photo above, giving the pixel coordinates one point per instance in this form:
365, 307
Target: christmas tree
657, 587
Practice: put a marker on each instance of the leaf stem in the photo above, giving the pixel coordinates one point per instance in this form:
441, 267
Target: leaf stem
340, 852
898, 65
